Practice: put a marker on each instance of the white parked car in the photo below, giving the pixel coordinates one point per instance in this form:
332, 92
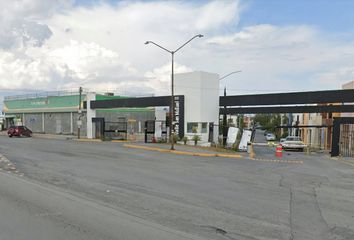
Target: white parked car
293, 143
270, 137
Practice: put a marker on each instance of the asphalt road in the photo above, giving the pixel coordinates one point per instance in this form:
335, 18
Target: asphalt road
268, 152
84, 190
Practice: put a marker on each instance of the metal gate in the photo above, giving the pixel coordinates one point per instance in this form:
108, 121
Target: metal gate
346, 142
116, 130
155, 131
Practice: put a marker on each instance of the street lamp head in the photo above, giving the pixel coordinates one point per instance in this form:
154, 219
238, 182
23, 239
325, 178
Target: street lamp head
229, 74
200, 35
147, 42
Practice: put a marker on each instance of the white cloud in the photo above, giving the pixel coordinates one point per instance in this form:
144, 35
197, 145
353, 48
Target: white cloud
101, 47
283, 58
341, 75
19, 71
78, 63
267, 36
160, 78
54, 44
90, 62
21, 21
126, 26
210, 16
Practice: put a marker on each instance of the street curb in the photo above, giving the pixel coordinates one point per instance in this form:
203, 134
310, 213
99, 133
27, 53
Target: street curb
182, 152
87, 140
341, 161
57, 137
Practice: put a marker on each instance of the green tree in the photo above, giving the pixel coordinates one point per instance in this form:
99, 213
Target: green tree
270, 122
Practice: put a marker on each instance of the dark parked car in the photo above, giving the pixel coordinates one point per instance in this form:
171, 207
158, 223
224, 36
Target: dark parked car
19, 131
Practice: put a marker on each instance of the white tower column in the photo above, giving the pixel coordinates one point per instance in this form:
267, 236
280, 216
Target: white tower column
91, 113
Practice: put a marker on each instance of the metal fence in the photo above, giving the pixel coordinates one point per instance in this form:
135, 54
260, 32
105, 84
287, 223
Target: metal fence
45, 94
41, 95
346, 143
116, 130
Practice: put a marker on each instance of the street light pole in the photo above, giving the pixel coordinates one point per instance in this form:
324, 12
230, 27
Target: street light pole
224, 122
79, 114
172, 82
172, 104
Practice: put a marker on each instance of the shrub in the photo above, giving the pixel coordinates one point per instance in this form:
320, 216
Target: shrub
196, 138
185, 140
175, 138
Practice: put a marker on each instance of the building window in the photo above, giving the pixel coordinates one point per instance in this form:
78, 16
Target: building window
204, 127
191, 126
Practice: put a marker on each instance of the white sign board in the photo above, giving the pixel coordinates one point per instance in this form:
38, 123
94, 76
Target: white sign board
231, 136
246, 137
79, 122
158, 130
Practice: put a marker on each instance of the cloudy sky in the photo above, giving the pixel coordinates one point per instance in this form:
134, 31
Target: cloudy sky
279, 45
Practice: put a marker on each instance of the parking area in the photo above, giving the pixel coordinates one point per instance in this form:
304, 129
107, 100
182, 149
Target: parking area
212, 197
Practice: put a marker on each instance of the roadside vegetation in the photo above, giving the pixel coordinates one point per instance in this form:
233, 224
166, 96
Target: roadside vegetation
271, 122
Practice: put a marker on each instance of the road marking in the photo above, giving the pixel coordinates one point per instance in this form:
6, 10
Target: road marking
183, 152
277, 160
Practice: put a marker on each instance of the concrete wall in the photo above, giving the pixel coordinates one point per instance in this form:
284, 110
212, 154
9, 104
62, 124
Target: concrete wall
57, 123
315, 136
54, 123
90, 115
201, 91
34, 121
349, 85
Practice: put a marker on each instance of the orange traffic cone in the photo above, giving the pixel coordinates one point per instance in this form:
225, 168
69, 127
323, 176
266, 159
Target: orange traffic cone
279, 151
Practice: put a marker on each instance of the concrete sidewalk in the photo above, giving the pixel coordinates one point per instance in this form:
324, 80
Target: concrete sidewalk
54, 136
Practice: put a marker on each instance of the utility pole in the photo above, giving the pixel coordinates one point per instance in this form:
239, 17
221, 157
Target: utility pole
224, 124
79, 114
172, 130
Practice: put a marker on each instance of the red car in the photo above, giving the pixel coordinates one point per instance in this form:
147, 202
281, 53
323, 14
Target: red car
19, 131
